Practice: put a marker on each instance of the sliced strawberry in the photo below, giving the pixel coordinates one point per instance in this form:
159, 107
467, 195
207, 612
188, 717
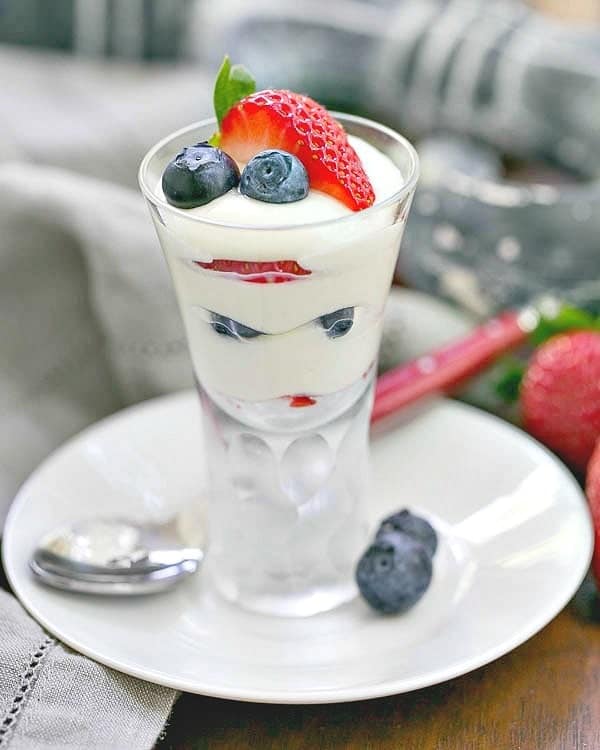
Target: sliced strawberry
297, 124
299, 402
257, 272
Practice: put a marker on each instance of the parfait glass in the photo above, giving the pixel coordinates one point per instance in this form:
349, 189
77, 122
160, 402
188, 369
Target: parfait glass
284, 349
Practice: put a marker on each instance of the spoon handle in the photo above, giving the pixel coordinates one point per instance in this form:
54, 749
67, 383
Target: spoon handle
449, 366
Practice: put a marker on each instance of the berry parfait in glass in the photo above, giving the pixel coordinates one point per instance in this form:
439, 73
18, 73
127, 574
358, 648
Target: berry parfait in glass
281, 224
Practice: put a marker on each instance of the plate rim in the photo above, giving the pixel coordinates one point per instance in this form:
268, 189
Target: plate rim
312, 696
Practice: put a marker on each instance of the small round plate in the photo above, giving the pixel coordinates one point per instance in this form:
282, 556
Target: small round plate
515, 534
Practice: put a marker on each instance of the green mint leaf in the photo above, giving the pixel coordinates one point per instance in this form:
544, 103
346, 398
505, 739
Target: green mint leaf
508, 383
568, 319
233, 83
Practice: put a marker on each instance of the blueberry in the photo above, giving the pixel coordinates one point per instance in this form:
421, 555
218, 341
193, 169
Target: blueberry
414, 526
198, 175
275, 176
228, 327
337, 323
394, 573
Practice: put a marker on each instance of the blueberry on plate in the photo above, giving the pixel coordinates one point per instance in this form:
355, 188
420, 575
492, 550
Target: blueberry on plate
229, 327
394, 573
414, 526
337, 323
198, 175
275, 176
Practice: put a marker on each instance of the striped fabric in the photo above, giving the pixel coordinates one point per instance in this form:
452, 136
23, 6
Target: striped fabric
132, 29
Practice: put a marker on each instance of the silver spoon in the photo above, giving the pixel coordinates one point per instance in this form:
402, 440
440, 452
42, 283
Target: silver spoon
114, 556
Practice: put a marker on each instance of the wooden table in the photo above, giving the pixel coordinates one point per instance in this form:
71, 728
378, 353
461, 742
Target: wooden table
545, 695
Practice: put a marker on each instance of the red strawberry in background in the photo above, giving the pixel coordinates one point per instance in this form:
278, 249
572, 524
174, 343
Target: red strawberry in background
592, 490
560, 395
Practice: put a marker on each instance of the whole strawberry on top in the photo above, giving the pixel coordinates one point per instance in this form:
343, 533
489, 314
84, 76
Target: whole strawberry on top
286, 143
297, 124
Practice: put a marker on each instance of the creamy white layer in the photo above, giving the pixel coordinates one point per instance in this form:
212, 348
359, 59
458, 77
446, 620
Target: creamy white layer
351, 264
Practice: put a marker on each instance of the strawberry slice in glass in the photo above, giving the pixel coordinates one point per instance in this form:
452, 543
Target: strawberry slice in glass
257, 272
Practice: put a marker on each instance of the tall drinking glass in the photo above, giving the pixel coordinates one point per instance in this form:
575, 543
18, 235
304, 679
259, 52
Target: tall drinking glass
284, 355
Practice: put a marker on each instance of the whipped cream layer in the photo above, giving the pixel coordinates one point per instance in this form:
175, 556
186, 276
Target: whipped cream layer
350, 263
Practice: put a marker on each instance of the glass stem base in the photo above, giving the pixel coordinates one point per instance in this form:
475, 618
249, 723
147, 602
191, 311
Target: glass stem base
287, 513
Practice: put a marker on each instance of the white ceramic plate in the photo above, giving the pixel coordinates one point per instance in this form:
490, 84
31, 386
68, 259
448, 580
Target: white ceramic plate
515, 544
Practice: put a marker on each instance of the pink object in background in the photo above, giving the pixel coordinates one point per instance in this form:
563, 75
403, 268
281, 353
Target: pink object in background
450, 365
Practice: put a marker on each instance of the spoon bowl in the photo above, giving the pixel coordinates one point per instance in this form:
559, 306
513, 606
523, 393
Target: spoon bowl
114, 556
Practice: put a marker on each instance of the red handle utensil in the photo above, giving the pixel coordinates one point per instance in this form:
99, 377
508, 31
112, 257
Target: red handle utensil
447, 367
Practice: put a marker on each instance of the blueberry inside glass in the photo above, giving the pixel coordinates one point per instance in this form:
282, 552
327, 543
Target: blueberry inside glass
228, 327
337, 323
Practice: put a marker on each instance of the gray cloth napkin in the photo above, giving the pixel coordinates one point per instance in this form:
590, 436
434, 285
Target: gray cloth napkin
88, 325
123, 28
89, 321
95, 118
52, 698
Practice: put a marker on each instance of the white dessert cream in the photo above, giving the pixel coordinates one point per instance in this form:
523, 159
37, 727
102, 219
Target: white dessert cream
345, 264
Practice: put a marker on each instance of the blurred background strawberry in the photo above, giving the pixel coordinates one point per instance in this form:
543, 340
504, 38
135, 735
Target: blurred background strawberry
557, 392
560, 396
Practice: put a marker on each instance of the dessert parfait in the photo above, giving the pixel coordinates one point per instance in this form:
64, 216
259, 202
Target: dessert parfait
281, 225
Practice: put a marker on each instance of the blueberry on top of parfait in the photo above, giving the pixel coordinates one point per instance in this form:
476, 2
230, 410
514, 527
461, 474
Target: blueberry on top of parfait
275, 176
199, 174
